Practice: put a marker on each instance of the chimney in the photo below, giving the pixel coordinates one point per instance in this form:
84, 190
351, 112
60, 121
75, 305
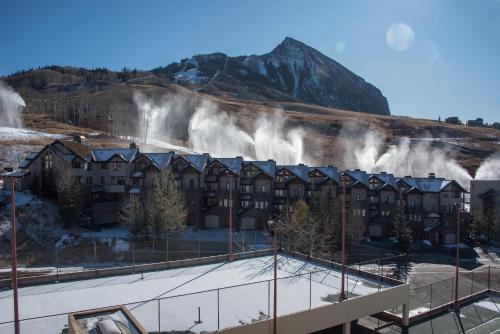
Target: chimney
133, 145
383, 173
432, 175
77, 139
407, 176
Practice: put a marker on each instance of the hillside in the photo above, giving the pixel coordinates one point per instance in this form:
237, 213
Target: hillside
292, 72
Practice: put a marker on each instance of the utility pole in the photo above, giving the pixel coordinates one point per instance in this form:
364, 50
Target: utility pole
230, 216
457, 265
275, 230
14, 251
342, 296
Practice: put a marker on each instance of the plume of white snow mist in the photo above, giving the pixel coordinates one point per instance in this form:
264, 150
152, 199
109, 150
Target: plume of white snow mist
489, 168
11, 105
214, 131
403, 158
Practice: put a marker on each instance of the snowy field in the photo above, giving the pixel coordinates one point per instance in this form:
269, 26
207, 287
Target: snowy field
227, 294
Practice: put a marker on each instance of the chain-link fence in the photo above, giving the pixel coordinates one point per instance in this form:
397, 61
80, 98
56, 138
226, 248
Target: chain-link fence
214, 309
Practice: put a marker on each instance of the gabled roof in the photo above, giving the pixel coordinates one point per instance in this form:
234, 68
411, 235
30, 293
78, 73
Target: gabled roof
159, 160
72, 149
197, 161
268, 167
233, 164
106, 154
429, 185
301, 171
358, 177
329, 171
386, 179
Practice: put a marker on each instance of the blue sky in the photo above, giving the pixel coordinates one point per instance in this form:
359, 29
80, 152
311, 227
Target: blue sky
450, 67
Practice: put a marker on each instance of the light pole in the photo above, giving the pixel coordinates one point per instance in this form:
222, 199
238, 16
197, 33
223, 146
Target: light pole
457, 265
275, 230
344, 179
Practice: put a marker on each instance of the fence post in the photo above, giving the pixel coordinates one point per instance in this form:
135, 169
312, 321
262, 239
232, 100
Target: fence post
159, 317
310, 290
167, 249
452, 289
199, 247
218, 309
430, 299
57, 264
489, 276
471, 282
133, 255
269, 299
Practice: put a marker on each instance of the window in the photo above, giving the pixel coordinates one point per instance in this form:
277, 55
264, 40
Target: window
246, 204
102, 180
246, 188
88, 166
386, 199
262, 188
266, 205
191, 184
116, 167
121, 180
364, 211
358, 197
48, 160
226, 203
413, 203
445, 195
280, 192
256, 205
77, 164
104, 165
457, 195
296, 193
227, 186
89, 180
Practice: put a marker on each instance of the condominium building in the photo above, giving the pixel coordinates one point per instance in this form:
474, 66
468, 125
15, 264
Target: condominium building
220, 191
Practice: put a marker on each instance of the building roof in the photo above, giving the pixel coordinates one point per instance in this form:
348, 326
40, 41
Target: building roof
329, 171
160, 160
233, 164
28, 160
358, 177
105, 154
301, 171
75, 149
387, 180
197, 161
268, 167
429, 185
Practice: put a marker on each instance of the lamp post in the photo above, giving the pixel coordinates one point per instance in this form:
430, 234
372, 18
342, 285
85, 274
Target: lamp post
13, 242
344, 179
457, 264
275, 230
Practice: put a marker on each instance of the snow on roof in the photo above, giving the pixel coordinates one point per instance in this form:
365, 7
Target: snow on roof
243, 289
104, 154
301, 171
268, 167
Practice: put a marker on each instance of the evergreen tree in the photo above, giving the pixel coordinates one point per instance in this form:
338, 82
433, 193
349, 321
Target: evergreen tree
131, 213
402, 230
165, 207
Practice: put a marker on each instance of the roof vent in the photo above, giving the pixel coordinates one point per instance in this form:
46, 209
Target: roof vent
133, 145
301, 165
77, 139
432, 175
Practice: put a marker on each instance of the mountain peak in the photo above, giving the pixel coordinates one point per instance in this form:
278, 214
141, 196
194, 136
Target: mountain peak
290, 42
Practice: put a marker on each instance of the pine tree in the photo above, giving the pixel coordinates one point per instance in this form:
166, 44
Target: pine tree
165, 207
131, 213
402, 230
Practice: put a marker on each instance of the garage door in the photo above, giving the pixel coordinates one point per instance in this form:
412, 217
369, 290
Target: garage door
375, 231
212, 221
248, 223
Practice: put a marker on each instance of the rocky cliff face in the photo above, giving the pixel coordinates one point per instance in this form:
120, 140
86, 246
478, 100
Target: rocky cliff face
292, 71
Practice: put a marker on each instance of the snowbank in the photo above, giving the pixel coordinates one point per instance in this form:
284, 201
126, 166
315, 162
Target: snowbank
8, 133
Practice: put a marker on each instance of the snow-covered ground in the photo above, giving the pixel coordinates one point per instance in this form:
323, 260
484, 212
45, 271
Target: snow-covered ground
9, 133
183, 291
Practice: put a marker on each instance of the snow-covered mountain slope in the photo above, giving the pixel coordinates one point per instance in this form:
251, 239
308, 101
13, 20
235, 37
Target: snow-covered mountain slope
291, 72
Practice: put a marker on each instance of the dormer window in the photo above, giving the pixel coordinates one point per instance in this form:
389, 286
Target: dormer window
77, 164
48, 159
